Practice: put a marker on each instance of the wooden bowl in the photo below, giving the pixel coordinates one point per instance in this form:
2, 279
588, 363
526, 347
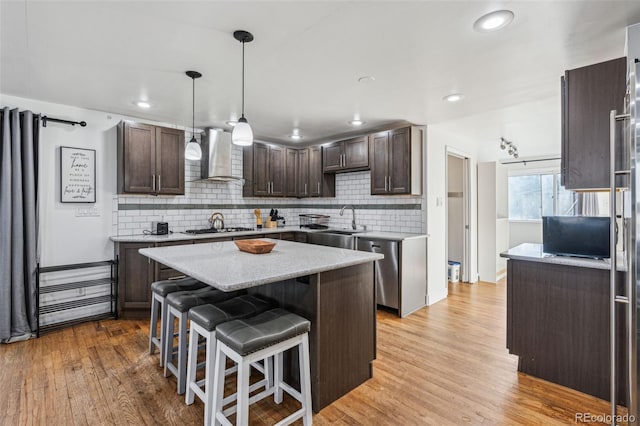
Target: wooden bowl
255, 246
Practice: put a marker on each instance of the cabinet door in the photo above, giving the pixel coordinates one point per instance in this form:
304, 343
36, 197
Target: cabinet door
139, 152
332, 157
399, 161
379, 163
277, 170
315, 171
135, 277
591, 93
302, 175
261, 183
291, 181
356, 153
169, 161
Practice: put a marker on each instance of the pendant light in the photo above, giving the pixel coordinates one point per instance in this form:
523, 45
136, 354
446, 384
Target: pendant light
193, 151
242, 134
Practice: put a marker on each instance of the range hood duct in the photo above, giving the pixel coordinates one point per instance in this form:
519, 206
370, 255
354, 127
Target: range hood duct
215, 164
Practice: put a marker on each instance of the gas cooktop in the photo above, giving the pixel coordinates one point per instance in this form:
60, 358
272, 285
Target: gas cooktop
215, 231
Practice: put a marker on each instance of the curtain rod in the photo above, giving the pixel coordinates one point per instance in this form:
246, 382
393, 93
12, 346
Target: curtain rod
59, 120
531, 161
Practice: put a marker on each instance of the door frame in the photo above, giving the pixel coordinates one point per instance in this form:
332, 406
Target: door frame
466, 203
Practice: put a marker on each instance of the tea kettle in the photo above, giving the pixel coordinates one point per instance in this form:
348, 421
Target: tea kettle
217, 221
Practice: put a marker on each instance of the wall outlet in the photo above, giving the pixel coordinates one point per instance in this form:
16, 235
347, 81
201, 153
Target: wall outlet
91, 211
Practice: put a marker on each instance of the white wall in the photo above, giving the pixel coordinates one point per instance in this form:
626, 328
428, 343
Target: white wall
525, 232
439, 138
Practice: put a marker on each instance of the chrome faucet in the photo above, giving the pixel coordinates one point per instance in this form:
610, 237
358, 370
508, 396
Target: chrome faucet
353, 212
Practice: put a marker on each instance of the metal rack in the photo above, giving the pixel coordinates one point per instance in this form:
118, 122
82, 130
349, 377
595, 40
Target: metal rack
112, 280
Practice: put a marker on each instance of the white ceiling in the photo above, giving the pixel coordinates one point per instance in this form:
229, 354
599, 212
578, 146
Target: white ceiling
303, 66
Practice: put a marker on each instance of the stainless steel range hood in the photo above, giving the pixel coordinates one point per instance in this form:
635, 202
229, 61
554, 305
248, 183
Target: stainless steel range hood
216, 156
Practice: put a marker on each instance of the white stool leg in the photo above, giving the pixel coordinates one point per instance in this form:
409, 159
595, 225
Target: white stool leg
164, 308
182, 354
153, 333
218, 385
168, 341
277, 380
208, 378
242, 414
305, 379
192, 365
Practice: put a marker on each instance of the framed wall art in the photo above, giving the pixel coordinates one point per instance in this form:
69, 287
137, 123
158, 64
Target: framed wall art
77, 175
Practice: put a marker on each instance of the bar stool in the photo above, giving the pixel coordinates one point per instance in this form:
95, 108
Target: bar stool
159, 292
178, 305
204, 320
246, 341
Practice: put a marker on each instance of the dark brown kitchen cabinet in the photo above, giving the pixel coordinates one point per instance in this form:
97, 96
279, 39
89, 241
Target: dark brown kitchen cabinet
264, 170
588, 95
320, 184
302, 173
150, 159
291, 176
135, 275
346, 156
396, 158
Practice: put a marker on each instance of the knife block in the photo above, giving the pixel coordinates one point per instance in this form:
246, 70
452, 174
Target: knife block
271, 223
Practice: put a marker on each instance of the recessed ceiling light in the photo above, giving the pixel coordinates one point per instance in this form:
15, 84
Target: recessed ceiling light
143, 104
454, 97
296, 137
356, 122
231, 123
493, 21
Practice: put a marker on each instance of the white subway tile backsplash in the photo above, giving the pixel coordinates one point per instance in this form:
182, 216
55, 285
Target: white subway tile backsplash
351, 188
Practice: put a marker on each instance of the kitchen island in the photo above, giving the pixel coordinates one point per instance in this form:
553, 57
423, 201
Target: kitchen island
558, 319
331, 287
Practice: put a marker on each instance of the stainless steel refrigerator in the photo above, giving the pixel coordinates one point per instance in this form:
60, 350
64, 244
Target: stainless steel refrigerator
625, 208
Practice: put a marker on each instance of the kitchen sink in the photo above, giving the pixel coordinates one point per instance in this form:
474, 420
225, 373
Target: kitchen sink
340, 232
341, 239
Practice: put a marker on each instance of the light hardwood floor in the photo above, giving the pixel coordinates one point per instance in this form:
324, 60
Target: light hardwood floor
446, 364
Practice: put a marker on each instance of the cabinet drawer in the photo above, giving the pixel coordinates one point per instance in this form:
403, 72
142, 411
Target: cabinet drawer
168, 273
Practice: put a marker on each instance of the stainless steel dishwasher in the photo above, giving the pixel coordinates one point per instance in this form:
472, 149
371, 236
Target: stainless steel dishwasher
386, 270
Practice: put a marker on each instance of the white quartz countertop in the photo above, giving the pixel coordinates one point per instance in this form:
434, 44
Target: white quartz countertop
224, 266
259, 233
533, 252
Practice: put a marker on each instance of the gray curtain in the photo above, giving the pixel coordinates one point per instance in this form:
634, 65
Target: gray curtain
19, 133
588, 204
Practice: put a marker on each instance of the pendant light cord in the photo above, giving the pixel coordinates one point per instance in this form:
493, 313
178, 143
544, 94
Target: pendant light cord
243, 78
193, 108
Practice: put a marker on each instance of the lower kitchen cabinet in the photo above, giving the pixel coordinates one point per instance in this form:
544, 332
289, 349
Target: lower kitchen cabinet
135, 275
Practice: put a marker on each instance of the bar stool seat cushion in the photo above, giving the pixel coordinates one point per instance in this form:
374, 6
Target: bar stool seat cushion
185, 300
163, 288
210, 316
252, 334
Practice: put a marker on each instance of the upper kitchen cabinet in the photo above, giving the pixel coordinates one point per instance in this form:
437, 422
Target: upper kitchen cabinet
320, 184
264, 170
292, 169
346, 156
588, 95
396, 162
150, 159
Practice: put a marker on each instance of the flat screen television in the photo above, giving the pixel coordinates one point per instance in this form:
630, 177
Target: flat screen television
580, 236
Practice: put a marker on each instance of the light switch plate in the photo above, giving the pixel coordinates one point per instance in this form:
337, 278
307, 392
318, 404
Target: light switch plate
91, 211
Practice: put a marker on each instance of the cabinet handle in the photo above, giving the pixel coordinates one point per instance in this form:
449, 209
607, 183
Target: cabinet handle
319, 188
344, 160
305, 189
153, 182
389, 183
385, 183
159, 183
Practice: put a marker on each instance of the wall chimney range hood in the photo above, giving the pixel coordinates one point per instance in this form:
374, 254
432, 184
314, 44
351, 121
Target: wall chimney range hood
215, 164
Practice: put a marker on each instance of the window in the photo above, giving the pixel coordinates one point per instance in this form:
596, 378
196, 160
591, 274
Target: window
536, 195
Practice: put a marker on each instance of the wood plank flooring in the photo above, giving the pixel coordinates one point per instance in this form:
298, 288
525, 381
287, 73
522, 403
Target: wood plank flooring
446, 364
